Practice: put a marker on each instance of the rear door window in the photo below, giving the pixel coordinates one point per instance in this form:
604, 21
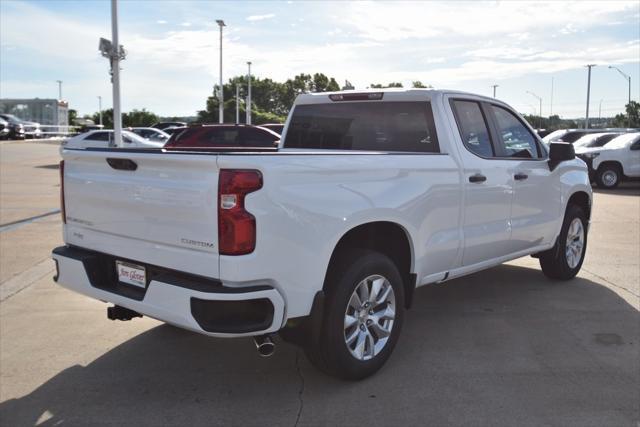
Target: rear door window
98, 136
379, 126
473, 127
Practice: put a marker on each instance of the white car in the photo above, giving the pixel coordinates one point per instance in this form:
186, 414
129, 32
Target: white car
370, 195
612, 163
151, 134
105, 139
594, 140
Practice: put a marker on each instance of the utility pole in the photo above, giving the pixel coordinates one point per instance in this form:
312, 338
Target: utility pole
100, 109
551, 102
628, 78
249, 94
540, 110
59, 90
494, 90
586, 119
237, 104
221, 24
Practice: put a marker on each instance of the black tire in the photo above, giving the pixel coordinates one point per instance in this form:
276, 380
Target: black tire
330, 353
608, 176
554, 262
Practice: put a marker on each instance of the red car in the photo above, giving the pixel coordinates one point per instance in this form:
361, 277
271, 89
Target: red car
225, 135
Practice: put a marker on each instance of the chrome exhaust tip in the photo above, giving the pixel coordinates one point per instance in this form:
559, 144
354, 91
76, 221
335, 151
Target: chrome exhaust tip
265, 345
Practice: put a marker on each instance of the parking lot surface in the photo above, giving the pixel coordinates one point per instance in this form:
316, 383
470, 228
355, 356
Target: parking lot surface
502, 347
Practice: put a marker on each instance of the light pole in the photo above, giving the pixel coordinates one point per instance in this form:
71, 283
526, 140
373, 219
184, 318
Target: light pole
628, 78
586, 119
599, 111
100, 109
237, 104
249, 94
59, 89
539, 110
494, 89
221, 24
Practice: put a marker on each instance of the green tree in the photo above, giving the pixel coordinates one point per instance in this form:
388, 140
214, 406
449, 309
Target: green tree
631, 119
73, 115
419, 85
107, 118
139, 118
381, 86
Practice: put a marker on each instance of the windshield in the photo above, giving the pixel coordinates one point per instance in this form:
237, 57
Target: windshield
11, 118
586, 140
622, 141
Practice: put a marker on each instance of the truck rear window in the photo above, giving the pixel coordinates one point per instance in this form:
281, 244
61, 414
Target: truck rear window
379, 126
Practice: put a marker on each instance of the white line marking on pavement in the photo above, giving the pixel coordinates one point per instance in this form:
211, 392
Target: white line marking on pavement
17, 283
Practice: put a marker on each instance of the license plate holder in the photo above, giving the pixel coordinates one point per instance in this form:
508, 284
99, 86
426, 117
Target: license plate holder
131, 274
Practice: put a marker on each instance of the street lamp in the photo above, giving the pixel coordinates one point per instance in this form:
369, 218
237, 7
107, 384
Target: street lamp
249, 94
59, 89
586, 119
221, 24
539, 110
494, 89
628, 78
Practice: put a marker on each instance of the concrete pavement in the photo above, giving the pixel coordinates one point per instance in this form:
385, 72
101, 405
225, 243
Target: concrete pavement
501, 347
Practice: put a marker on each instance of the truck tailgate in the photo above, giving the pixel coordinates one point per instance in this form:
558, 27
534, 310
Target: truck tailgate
162, 213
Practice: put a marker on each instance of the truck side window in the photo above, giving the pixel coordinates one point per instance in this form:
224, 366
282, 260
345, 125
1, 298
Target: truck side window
515, 140
473, 127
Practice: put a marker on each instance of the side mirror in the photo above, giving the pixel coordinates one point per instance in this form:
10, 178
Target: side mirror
560, 152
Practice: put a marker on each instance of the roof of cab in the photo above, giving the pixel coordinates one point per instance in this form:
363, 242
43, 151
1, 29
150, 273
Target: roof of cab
389, 94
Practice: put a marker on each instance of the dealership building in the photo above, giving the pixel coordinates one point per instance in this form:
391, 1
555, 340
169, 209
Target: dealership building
47, 112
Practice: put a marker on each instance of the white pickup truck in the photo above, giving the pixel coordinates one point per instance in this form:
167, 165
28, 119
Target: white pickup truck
369, 196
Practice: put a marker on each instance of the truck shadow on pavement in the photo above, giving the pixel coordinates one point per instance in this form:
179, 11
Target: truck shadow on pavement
500, 347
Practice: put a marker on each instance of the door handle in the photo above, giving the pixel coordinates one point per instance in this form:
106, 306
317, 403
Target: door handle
521, 176
477, 178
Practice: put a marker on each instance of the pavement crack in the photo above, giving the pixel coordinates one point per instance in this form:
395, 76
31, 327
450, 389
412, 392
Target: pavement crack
301, 391
611, 283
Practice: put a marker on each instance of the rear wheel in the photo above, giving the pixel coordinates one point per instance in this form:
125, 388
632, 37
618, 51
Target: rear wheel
608, 176
565, 259
364, 310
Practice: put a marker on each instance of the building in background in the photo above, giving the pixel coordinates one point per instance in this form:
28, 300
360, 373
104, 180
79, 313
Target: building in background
47, 112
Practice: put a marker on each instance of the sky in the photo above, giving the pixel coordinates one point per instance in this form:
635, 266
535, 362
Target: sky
173, 49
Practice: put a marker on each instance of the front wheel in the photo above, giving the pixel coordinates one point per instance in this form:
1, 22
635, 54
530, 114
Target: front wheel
565, 259
363, 316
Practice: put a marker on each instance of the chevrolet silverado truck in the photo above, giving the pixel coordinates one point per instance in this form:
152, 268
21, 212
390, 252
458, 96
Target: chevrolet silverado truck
324, 241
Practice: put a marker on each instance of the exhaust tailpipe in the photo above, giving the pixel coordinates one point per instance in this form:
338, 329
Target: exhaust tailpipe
264, 345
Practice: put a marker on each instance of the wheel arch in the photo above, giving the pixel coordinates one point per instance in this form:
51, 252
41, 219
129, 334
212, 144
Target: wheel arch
614, 163
386, 237
582, 200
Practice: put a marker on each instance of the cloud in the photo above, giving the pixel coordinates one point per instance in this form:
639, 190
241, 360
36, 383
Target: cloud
161, 21
253, 18
186, 24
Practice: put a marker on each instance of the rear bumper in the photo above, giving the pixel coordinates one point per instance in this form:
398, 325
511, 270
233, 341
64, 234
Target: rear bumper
191, 302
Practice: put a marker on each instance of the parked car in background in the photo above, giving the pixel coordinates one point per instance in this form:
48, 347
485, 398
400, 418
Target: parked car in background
614, 162
225, 135
276, 127
165, 125
15, 125
4, 129
152, 134
593, 140
572, 135
174, 130
105, 139
32, 130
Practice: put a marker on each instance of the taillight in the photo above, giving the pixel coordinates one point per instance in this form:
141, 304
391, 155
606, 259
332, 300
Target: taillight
62, 209
236, 226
